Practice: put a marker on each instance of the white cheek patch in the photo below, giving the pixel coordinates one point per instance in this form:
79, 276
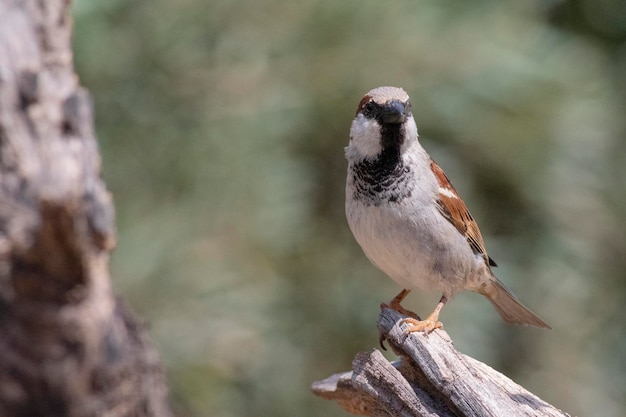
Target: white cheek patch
364, 139
410, 133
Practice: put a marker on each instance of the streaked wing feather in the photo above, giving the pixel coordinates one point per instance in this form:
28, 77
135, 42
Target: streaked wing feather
454, 209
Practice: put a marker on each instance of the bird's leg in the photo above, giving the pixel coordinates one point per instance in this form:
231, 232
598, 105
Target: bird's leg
395, 305
431, 323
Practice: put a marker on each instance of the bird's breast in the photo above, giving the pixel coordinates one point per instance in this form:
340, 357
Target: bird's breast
411, 244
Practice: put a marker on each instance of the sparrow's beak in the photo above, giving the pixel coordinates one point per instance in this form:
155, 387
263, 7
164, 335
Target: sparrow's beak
394, 112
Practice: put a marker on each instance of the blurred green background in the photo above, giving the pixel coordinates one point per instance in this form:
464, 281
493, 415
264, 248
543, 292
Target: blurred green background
222, 125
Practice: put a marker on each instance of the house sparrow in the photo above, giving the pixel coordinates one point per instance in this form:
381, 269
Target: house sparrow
408, 218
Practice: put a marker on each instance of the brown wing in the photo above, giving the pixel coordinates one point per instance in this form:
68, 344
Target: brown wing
453, 208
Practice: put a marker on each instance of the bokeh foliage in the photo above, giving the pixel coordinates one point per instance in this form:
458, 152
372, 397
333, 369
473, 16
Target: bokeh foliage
222, 125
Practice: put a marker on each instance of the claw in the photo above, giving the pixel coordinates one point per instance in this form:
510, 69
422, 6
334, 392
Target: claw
381, 340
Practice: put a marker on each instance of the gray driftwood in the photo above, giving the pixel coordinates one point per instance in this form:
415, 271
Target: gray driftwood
431, 379
68, 347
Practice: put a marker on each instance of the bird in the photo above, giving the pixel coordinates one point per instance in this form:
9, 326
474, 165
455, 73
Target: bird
408, 218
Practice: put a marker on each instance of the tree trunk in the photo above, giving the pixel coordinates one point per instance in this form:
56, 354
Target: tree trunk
68, 347
431, 379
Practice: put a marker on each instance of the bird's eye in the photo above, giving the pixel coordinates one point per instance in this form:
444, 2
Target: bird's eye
368, 107
365, 105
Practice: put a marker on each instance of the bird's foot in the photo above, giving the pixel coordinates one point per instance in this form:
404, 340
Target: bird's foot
425, 326
396, 306
414, 323
431, 323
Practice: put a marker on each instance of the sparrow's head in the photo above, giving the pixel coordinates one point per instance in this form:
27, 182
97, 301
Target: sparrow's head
383, 122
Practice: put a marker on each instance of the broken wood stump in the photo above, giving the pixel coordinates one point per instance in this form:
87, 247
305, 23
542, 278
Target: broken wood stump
431, 379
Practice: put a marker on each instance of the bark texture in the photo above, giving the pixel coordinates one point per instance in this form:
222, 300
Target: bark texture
432, 379
68, 346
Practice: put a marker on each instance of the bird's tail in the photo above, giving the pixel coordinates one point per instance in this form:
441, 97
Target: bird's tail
510, 308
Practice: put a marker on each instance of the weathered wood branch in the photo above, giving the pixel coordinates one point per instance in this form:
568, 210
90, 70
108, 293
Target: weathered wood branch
68, 347
431, 379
